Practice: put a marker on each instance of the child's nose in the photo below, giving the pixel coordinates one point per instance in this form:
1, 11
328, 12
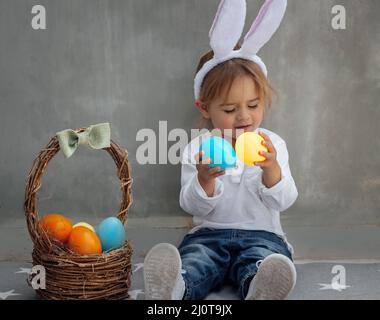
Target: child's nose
243, 114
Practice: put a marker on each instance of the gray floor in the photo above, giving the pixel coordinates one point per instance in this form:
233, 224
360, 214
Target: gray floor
314, 277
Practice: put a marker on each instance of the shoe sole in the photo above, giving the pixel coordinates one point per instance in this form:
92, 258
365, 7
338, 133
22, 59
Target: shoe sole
162, 267
275, 279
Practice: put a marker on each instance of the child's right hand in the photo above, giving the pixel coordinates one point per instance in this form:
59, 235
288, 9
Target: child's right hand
207, 175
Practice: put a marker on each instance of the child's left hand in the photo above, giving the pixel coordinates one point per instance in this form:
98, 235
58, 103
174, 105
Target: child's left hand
271, 156
271, 167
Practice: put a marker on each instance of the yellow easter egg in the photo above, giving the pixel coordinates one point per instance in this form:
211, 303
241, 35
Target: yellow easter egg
84, 224
248, 146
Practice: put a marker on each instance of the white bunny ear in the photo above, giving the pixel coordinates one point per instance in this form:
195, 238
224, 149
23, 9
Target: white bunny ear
227, 27
265, 25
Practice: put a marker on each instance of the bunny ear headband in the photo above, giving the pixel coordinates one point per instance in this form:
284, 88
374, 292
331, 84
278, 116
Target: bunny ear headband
226, 31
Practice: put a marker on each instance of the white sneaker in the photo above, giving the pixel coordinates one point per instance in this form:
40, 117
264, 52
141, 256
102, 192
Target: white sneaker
274, 280
162, 273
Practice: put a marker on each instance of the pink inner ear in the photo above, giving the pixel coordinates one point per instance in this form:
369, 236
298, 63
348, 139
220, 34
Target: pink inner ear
260, 17
216, 17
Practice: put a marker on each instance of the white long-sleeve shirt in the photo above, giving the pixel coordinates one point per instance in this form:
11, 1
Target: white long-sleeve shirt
240, 200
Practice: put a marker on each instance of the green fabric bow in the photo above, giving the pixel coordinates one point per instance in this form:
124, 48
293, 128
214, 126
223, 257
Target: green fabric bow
97, 136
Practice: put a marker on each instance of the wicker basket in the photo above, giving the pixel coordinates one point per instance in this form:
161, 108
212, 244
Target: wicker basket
71, 276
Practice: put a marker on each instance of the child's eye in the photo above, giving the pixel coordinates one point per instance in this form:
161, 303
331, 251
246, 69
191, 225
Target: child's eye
253, 107
229, 111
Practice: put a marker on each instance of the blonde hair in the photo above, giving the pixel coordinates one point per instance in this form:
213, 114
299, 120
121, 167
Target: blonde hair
221, 78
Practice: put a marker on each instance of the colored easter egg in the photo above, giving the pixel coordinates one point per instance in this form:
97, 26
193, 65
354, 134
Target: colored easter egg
220, 151
248, 146
84, 224
111, 232
56, 226
84, 241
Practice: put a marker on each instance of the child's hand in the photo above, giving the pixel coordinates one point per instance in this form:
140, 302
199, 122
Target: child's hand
270, 166
207, 175
270, 161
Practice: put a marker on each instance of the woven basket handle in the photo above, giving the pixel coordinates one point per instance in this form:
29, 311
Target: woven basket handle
119, 155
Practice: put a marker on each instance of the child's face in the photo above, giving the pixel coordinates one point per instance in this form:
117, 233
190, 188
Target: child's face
242, 110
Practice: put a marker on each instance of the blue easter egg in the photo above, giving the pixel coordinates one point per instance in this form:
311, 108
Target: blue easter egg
111, 233
220, 151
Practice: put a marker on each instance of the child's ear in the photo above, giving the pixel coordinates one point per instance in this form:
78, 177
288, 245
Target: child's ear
202, 108
198, 103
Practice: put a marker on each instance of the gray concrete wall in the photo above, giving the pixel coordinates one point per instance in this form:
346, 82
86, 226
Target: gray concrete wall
131, 63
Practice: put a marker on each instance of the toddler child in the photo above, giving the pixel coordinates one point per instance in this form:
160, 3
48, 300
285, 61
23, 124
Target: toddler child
237, 237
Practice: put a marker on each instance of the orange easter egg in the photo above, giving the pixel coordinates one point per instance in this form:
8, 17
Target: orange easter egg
248, 146
56, 226
84, 224
84, 241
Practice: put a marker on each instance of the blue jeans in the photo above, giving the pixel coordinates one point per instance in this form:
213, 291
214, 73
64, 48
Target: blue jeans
214, 257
